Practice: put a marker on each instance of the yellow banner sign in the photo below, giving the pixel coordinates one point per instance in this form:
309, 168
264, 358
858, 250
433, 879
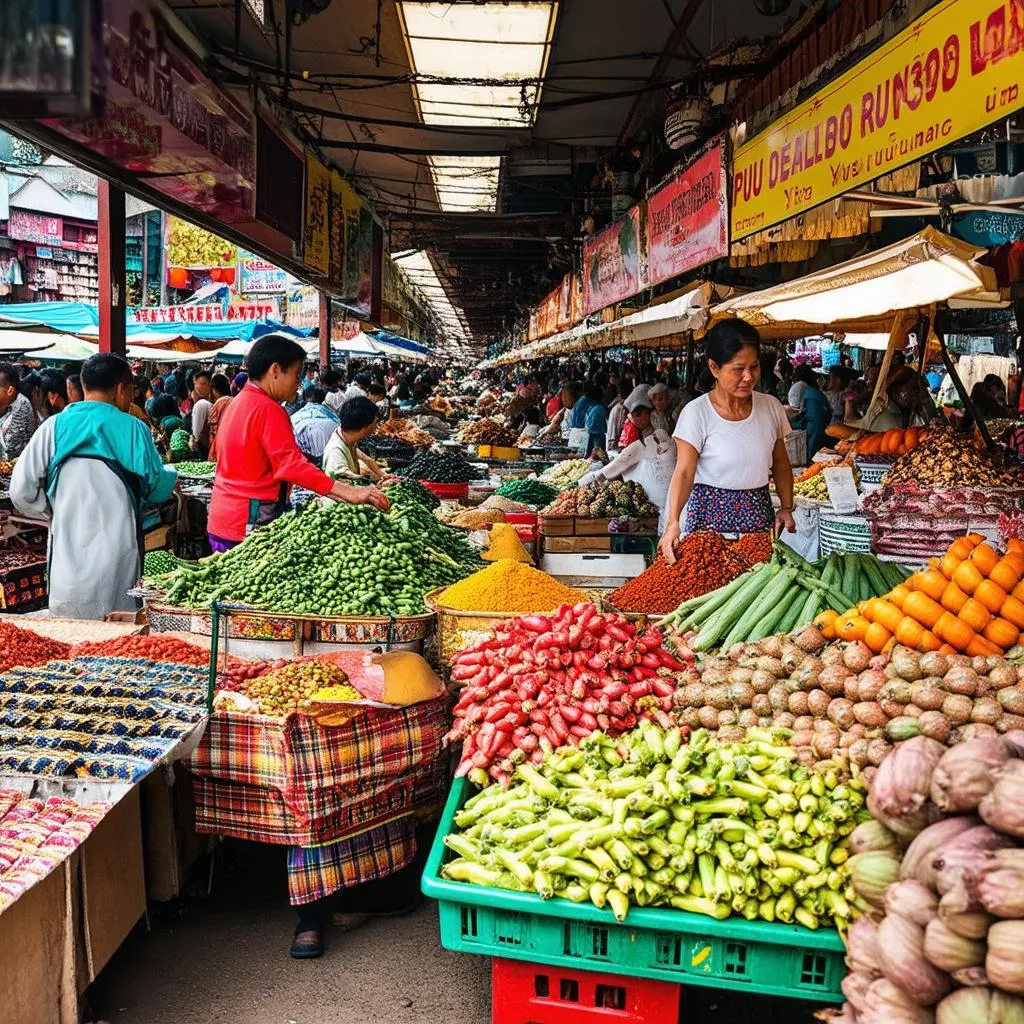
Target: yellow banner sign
954, 70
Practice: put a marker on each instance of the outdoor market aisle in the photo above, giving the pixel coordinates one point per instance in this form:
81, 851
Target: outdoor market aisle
226, 961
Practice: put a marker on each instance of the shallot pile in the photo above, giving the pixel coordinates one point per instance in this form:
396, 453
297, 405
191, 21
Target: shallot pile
845, 704
548, 681
939, 873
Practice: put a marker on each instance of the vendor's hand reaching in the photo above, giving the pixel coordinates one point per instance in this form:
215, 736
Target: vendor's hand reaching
667, 544
360, 495
784, 521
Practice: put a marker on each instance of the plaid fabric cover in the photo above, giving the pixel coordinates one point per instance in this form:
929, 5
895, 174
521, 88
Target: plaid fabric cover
299, 783
316, 872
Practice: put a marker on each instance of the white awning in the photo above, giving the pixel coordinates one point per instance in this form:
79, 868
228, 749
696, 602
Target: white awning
865, 292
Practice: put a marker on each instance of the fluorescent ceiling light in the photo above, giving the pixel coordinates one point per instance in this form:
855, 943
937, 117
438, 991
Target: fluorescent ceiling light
503, 42
421, 273
466, 184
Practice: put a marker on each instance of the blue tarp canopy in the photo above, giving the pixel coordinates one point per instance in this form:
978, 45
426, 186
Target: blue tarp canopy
398, 342
69, 317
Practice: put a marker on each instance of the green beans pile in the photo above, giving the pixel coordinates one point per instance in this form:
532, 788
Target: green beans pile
534, 493
335, 559
203, 470
412, 490
156, 563
651, 820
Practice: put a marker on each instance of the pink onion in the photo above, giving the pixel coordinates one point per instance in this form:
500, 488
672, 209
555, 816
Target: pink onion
1004, 963
961, 916
1003, 806
899, 792
1001, 885
964, 773
862, 947
949, 951
871, 835
970, 976
855, 987
887, 1003
872, 873
913, 900
904, 963
917, 861
961, 860
980, 1006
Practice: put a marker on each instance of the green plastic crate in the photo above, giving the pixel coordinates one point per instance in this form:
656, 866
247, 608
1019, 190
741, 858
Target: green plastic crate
670, 945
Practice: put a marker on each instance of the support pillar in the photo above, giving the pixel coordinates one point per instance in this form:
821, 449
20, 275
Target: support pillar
325, 330
111, 253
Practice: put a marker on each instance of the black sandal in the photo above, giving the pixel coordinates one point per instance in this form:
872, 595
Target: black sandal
307, 950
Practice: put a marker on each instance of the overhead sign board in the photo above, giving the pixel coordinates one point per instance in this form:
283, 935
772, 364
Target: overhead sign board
614, 263
956, 69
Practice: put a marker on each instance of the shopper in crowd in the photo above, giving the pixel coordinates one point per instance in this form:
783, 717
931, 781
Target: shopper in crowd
359, 418
220, 394
54, 386
257, 457
90, 471
649, 461
164, 407
330, 381
661, 416
314, 424
199, 439
617, 413
802, 377
359, 388
594, 420
238, 382
729, 442
559, 422
835, 392
629, 432
30, 388
989, 397
816, 417
783, 375
403, 394
553, 406
18, 419
75, 388
176, 383
378, 394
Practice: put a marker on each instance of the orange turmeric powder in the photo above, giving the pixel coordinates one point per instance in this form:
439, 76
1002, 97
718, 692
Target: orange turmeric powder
504, 542
508, 586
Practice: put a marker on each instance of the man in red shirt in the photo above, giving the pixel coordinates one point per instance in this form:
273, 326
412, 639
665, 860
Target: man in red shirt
257, 455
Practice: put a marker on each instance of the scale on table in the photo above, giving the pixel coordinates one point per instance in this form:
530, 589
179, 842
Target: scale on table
593, 569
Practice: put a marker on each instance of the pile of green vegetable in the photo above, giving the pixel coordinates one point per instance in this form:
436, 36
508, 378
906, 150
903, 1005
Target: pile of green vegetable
412, 490
157, 563
782, 595
530, 492
649, 820
200, 470
334, 559
440, 468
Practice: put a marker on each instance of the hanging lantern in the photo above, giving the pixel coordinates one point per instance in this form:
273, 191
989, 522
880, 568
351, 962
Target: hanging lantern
177, 277
227, 275
685, 120
216, 274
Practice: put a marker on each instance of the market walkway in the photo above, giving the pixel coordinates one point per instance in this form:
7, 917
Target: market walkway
226, 961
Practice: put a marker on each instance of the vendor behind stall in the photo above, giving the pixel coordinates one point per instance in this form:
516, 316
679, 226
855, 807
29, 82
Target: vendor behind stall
728, 443
90, 470
649, 461
359, 418
257, 456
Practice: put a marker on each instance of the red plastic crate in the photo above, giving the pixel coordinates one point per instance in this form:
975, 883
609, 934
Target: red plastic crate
450, 491
525, 993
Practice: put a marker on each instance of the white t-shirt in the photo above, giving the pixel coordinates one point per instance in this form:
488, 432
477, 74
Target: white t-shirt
795, 398
736, 455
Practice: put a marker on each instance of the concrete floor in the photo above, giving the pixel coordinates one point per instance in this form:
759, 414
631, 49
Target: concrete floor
225, 960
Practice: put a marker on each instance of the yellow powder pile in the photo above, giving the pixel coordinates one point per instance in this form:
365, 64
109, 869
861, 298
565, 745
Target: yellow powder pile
504, 542
508, 586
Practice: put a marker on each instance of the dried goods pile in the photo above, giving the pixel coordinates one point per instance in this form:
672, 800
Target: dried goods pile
334, 560
503, 504
288, 688
488, 431
23, 647
551, 680
754, 547
705, 561
15, 557
507, 586
383, 446
780, 596
971, 600
6, 467
98, 718
151, 648
472, 518
947, 459
405, 430
567, 474
533, 493
503, 542
844, 703
604, 500
940, 874
37, 835
440, 468
649, 820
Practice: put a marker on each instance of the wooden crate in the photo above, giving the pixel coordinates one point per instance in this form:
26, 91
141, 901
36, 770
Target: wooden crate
591, 527
576, 544
557, 526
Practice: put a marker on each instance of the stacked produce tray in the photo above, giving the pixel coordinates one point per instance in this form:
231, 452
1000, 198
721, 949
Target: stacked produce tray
667, 945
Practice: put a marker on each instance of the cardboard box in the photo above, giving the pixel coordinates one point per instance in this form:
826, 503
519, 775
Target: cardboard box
563, 545
170, 843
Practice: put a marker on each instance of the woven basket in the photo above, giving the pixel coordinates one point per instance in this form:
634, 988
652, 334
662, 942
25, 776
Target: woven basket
843, 533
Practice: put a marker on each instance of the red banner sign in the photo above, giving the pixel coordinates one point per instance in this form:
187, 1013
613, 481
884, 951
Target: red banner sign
36, 227
614, 263
688, 218
163, 115
205, 313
